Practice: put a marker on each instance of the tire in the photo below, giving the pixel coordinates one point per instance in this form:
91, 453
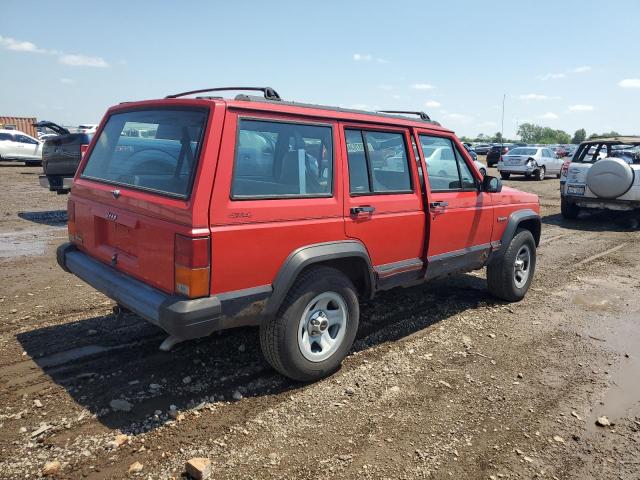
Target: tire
33, 163
540, 173
569, 210
502, 276
505, 176
282, 338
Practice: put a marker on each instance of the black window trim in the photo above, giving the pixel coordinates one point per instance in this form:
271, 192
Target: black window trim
285, 196
197, 155
399, 130
454, 147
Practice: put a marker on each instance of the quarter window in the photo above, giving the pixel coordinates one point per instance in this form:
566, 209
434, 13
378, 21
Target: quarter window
446, 167
378, 162
280, 160
6, 136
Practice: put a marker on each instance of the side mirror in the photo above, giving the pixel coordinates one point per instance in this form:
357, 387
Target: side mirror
491, 184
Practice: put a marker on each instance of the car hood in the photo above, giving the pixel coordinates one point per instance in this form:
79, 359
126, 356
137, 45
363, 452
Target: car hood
52, 126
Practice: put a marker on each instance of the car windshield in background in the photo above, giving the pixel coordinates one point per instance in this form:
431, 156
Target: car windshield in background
153, 150
523, 151
629, 153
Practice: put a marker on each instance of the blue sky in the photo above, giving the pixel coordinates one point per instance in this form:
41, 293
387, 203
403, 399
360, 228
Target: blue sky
560, 64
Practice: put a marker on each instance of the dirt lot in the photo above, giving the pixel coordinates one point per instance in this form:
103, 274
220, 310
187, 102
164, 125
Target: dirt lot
444, 381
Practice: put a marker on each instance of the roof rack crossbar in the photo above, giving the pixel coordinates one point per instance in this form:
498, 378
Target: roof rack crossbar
422, 115
269, 93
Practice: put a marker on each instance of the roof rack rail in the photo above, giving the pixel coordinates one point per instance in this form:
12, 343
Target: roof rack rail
269, 93
422, 115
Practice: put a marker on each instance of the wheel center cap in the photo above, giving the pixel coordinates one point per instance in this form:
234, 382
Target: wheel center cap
318, 323
519, 265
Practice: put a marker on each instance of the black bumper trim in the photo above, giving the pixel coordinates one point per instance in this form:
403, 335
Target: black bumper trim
180, 317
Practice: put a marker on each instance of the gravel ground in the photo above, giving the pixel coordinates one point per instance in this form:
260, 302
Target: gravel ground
443, 382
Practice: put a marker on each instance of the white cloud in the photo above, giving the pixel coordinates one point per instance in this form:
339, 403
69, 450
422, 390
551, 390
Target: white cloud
20, 45
367, 57
422, 86
580, 108
548, 116
535, 96
487, 125
629, 83
360, 57
459, 117
74, 60
385, 87
83, 61
67, 81
581, 69
551, 76
432, 104
395, 96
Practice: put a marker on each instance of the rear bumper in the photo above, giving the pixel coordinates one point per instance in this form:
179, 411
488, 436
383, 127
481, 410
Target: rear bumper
521, 169
56, 182
180, 317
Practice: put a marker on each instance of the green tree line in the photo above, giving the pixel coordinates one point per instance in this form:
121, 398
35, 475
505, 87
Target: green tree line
532, 133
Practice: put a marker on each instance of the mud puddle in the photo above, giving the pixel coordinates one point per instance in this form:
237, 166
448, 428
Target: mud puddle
25, 243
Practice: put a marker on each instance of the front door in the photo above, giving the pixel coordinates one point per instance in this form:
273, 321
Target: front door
461, 215
383, 207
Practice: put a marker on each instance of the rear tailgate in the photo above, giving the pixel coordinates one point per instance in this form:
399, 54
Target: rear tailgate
133, 193
61, 155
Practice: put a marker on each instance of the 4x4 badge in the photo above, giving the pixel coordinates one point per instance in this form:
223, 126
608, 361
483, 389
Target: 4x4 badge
112, 216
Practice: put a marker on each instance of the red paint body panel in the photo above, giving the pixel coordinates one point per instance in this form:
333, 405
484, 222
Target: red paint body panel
251, 239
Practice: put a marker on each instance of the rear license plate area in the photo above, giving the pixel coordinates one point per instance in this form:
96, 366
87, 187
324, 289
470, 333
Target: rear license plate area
575, 190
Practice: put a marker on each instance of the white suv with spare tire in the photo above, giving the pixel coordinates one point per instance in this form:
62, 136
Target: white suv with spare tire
603, 174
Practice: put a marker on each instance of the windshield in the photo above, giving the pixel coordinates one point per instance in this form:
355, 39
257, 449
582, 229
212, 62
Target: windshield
153, 150
523, 151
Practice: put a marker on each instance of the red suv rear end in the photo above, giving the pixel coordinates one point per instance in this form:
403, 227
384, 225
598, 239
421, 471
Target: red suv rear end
204, 214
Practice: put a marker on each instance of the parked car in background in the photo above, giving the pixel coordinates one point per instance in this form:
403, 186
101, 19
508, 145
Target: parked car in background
480, 166
482, 148
61, 155
166, 224
530, 161
560, 151
495, 152
18, 146
87, 128
471, 151
602, 174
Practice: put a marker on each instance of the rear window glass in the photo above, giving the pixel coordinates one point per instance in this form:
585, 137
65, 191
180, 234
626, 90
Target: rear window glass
153, 150
523, 151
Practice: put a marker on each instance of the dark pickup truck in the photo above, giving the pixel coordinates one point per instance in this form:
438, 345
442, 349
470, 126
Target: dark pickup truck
61, 156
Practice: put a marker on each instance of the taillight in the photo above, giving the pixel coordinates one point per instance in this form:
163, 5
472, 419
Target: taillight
191, 264
565, 168
71, 220
83, 150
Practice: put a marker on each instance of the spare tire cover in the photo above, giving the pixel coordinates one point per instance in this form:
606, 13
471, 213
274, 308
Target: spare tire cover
610, 177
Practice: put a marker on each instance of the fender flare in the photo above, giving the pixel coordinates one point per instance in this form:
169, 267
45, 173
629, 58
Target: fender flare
303, 257
515, 219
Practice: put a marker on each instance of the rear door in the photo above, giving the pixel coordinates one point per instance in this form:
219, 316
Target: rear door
8, 145
277, 189
383, 205
133, 194
461, 216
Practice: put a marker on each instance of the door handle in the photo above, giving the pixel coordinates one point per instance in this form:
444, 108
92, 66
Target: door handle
438, 204
362, 209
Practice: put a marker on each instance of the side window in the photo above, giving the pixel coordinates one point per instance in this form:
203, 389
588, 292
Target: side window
378, 162
446, 167
25, 139
280, 160
468, 181
6, 136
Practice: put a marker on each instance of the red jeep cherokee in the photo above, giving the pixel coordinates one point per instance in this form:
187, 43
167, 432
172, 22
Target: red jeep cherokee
201, 214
